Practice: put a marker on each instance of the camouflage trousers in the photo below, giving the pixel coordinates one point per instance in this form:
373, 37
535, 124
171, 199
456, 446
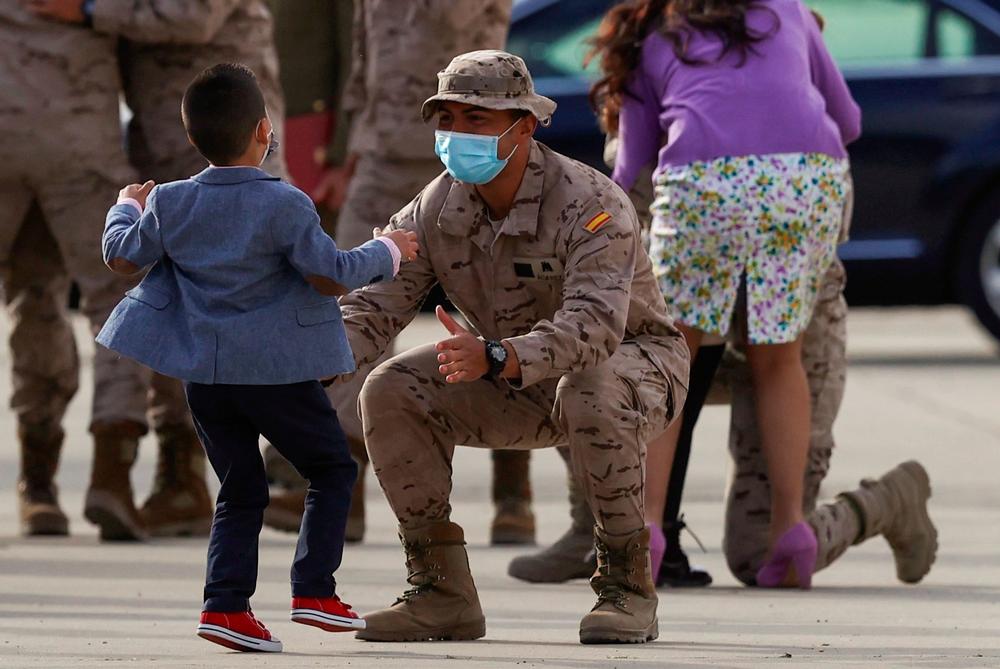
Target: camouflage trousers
42, 248
748, 500
413, 420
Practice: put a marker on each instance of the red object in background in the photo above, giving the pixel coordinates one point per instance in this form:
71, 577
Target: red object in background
305, 141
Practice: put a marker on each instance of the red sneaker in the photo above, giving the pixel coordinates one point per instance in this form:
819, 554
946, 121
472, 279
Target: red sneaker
327, 613
238, 630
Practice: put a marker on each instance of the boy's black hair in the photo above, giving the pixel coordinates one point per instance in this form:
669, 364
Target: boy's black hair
221, 109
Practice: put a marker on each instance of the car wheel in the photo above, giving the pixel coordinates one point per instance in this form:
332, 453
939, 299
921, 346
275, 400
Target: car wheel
979, 266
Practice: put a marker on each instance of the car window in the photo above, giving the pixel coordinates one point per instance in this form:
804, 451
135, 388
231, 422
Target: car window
874, 31
959, 37
557, 52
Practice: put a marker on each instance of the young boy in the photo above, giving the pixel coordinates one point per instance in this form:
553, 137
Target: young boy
234, 307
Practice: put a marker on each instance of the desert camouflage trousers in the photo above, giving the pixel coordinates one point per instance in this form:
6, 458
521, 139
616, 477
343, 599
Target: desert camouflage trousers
748, 499
50, 231
413, 420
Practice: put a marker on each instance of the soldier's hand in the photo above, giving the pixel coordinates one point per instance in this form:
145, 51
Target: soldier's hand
332, 188
69, 11
463, 356
138, 192
405, 240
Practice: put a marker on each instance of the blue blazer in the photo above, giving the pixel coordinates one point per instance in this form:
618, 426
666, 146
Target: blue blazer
227, 300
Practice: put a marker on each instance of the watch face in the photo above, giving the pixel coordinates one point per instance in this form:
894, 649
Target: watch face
497, 352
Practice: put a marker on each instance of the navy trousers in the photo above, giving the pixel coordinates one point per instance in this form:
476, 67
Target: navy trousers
300, 422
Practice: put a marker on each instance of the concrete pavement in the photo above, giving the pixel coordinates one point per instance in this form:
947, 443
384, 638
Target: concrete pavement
923, 383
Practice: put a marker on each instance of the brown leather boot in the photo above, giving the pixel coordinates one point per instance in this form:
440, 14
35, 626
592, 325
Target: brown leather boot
179, 504
109, 503
513, 520
626, 597
895, 506
284, 511
37, 494
571, 556
443, 603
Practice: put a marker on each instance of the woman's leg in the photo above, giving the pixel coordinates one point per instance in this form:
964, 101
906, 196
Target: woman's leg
783, 413
660, 451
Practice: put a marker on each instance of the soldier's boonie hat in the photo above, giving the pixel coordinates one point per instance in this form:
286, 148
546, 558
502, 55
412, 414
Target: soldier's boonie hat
490, 79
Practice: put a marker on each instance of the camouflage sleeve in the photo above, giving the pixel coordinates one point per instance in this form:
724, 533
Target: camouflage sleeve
587, 329
354, 95
374, 315
163, 21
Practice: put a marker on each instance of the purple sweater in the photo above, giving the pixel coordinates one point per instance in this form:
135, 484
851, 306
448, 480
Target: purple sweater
787, 97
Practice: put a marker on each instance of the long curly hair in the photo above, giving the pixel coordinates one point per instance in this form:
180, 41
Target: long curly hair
618, 43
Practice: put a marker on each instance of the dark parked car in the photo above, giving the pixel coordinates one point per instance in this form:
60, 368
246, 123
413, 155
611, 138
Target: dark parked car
926, 73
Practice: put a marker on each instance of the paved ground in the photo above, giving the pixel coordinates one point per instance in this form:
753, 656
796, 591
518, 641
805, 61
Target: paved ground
923, 383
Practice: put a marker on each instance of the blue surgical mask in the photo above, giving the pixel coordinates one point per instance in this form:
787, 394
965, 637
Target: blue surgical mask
469, 157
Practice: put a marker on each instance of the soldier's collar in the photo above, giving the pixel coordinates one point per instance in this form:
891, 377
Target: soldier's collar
462, 213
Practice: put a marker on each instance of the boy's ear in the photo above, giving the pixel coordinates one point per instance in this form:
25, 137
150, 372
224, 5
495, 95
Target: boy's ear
264, 130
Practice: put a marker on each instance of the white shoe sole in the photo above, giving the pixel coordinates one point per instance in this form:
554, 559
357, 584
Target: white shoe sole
236, 641
326, 620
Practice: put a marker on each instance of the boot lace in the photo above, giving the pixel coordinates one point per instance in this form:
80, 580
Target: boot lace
423, 579
611, 579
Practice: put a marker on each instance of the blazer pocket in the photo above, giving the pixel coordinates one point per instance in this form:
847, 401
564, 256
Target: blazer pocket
153, 297
315, 314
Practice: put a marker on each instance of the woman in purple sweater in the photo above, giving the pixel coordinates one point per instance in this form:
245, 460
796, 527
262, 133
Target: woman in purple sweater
742, 110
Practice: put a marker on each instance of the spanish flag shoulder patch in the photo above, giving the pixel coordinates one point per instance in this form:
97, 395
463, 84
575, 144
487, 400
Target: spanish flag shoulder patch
598, 221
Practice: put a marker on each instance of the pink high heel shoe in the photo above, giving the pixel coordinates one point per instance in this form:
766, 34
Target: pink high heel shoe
796, 548
657, 547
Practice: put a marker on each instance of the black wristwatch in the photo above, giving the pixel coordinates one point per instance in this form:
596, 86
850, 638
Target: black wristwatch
496, 356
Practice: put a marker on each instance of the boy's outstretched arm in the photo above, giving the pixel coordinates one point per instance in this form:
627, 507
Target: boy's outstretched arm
131, 238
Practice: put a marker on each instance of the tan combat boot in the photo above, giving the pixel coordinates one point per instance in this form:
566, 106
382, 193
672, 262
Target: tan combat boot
37, 494
109, 503
179, 504
895, 506
571, 556
443, 603
513, 520
626, 597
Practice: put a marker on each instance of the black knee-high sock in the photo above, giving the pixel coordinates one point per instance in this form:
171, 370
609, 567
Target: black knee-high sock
703, 367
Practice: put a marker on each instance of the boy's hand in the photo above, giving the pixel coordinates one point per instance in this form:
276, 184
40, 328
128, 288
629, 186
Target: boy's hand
138, 192
405, 241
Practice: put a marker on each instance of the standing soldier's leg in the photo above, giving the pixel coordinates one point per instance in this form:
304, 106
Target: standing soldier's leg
571, 555
513, 520
379, 188
179, 503
75, 206
45, 365
411, 431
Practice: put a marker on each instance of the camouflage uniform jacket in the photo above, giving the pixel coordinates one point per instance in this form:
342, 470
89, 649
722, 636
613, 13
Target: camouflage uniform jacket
397, 50
58, 95
167, 45
563, 278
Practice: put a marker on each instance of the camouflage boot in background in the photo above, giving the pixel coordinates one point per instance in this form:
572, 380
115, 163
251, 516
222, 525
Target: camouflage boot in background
37, 495
179, 504
513, 519
109, 503
626, 597
571, 556
895, 506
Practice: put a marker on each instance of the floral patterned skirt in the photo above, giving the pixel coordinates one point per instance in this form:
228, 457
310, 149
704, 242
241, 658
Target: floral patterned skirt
770, 221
